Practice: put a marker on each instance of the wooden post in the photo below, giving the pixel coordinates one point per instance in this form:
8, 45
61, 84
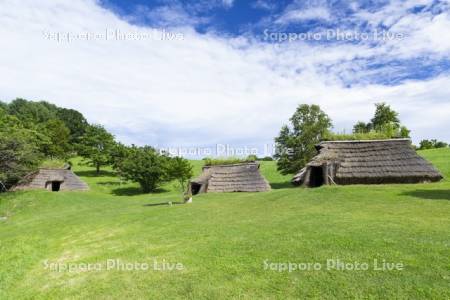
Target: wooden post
326, 180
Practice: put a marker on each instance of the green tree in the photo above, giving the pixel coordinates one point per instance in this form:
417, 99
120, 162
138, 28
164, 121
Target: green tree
118, 153
7, 121
296, 142
30, 113
19, 150
404, 132
58, 135
96, 145
146, 166
34, 113
385, 121
267, 158
426, 144
17, 158
432, 144
362, 127
73, 120
3, 106
384, 116
439, 144
252, 157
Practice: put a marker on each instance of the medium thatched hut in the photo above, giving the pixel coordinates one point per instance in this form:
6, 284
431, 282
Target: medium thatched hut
242, 177
366, 162
53, 180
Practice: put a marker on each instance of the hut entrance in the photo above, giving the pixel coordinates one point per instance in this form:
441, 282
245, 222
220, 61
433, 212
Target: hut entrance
53, 186
195, 188
316, 179
56, 186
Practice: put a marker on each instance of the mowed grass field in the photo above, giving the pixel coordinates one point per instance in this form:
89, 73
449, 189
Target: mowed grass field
228, 244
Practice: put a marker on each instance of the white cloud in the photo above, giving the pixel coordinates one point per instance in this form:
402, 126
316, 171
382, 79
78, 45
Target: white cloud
305, 10
391, 12
300, 15
264, 5
228, 3
203, 89
425, 33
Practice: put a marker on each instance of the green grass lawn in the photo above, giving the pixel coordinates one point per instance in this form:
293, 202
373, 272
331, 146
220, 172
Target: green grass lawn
225, 241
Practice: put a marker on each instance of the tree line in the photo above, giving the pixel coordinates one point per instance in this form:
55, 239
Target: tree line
31, 132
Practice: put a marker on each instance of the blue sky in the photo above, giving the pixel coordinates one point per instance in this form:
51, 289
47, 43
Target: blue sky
228, 17
236, 70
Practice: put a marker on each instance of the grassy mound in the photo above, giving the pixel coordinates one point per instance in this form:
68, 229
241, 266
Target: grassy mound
230, 245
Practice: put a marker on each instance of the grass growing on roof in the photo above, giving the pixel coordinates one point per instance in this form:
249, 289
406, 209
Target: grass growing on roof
53, 163
224, 240
372, 135
226, 161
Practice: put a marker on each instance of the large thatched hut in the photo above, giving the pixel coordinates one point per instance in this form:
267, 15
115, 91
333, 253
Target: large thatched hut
53, 180
366, 162
242, 177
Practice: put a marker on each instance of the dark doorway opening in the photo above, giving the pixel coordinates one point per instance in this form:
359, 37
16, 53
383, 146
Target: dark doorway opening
316, 178
195, 188
56, 186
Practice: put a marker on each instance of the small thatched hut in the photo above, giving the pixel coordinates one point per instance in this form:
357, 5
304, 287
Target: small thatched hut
53, 180
242, 177
366, 162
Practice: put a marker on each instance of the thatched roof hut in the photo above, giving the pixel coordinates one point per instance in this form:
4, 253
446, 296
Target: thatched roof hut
366, 162
53, 180
242, 177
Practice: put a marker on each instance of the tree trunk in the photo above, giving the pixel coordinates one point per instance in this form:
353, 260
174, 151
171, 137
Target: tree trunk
98, 168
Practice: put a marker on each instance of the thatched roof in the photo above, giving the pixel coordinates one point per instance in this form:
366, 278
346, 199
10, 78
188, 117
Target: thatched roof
379, 161
243, 177
43, 179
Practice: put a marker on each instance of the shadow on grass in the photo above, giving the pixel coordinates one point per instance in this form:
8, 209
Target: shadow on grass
133, 191
162, 203
429, 194
282, 185
110, 183
93, 173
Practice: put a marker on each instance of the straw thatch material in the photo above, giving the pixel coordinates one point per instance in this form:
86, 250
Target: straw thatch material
244, 177
366, 162
51, 179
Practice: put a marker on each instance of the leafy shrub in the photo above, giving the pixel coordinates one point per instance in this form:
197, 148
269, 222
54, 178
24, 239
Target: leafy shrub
252, 157
432, 144
150, 168
266, 158
362, 127
145, 166
181, 170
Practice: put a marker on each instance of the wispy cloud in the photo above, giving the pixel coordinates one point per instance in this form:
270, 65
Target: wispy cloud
301, 11
228, 3
300, 15
264, 5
